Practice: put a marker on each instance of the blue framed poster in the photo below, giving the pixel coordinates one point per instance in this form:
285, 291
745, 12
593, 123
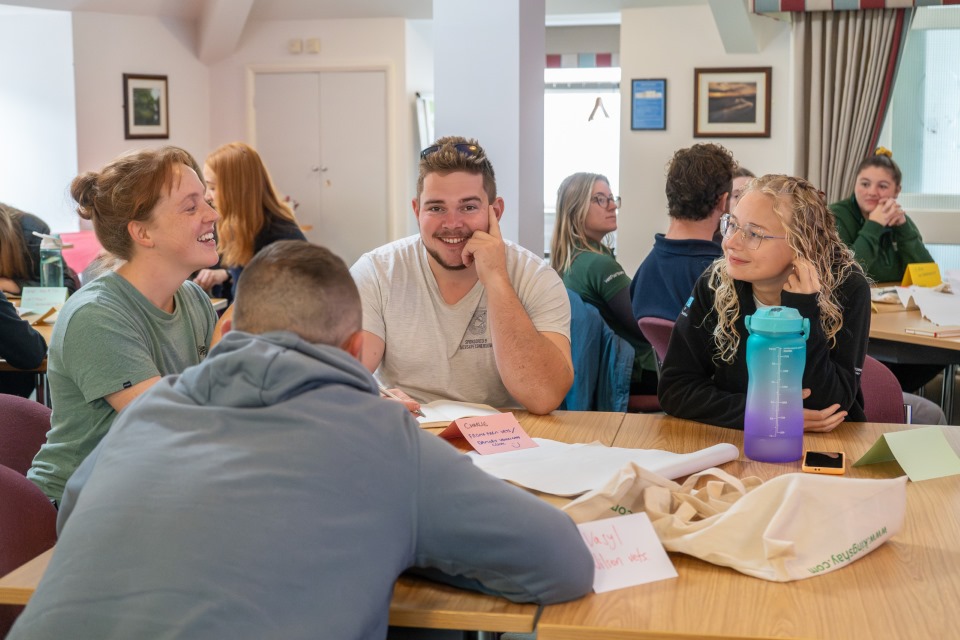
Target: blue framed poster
648, 104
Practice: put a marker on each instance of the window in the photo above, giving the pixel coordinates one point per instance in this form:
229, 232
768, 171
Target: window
923, 123
573, 140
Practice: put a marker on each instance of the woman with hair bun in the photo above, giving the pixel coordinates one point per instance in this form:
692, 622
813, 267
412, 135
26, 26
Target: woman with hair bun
873, 224
780, 248
120, 333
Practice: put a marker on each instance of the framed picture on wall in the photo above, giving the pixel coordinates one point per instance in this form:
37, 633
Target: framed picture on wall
731, 102
145, 112
648, 104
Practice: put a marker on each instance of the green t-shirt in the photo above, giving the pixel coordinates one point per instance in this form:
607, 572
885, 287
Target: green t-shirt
109, 337
598, 277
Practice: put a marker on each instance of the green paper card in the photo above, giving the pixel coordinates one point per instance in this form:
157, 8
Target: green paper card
923, 453
39, 299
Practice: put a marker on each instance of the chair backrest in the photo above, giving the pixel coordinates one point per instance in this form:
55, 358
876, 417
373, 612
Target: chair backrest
882, 396
23, 430
602, 362
28, 527
657, 332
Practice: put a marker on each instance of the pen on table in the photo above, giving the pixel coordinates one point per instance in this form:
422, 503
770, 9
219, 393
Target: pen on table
390, 394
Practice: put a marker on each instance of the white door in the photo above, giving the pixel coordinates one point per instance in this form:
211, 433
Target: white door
323, 136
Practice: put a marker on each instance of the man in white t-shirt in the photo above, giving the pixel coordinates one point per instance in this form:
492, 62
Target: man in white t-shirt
458, 312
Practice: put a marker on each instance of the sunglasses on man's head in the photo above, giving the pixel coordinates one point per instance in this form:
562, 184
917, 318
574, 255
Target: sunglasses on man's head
466, 149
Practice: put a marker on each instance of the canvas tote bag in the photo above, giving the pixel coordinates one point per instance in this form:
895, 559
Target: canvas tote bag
792, 527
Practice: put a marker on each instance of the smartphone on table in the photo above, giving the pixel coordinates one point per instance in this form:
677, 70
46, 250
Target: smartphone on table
829, 462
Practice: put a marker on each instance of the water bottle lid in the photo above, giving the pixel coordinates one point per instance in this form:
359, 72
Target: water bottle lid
781, 320
48, 241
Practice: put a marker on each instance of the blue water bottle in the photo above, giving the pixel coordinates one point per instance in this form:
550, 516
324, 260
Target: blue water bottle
776, 355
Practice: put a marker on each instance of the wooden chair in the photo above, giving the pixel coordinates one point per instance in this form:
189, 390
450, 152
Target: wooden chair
23, 430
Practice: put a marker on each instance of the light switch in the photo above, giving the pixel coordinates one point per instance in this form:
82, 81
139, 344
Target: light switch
313, 45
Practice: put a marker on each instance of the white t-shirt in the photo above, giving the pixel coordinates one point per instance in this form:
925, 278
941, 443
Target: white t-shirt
437, 350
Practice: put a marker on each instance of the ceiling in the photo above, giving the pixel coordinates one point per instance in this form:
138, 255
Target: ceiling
328, 9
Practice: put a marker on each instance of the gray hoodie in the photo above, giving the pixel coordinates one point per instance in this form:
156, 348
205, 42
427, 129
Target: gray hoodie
269, 492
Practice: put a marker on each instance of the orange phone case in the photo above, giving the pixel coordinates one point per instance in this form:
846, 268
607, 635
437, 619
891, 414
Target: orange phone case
825, 470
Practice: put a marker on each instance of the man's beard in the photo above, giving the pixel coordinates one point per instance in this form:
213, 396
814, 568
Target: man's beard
436, 255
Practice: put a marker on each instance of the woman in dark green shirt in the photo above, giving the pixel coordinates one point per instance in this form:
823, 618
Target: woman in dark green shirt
873, 224
586, 213
884, 240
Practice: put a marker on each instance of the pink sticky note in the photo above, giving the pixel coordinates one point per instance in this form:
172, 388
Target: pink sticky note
490, 434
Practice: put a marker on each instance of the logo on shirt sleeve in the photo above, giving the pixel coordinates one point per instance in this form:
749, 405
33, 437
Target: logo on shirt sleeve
686, 307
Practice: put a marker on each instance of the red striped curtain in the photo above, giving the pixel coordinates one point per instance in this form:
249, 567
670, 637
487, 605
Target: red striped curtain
844, 71
775, 6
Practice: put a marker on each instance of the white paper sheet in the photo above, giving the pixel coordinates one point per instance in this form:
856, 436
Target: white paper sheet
565, 469
939, 308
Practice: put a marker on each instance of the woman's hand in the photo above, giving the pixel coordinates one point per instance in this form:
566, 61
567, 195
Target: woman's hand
412, 405
207, 278
889, 213
803, 279
822, 420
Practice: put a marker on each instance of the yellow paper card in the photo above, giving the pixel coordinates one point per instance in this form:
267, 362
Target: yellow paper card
922, 274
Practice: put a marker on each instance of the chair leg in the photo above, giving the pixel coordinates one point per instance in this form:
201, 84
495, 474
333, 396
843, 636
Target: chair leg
946, 394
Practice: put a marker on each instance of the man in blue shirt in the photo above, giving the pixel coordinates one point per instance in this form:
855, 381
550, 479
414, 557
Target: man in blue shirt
698, 187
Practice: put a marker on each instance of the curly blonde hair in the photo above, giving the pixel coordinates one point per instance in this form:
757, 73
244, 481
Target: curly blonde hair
812, 234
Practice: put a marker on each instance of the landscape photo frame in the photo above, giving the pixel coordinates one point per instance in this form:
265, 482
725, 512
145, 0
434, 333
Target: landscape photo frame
732, 102
145, 106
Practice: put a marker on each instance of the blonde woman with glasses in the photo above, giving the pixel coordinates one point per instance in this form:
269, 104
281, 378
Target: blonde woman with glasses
586, 214
780, 248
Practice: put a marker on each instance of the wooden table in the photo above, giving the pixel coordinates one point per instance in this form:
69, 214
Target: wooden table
891, 343
908, 588
418, 602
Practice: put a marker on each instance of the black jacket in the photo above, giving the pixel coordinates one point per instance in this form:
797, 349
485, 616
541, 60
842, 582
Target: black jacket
694, 386
20, 344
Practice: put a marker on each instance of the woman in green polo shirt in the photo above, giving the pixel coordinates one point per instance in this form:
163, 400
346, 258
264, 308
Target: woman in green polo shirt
586, 213
873, 224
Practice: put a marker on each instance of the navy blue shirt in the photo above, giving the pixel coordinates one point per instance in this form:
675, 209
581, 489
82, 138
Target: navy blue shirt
664, 281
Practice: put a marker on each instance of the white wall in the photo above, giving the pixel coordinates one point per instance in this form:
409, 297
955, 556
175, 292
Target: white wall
108, 45
419, 65
587, 39
344, 44
38, 141
669, 42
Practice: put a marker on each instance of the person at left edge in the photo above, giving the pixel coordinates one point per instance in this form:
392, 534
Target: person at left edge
120, 333
457, 312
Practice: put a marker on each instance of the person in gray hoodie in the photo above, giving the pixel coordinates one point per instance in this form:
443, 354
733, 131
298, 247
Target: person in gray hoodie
269, 492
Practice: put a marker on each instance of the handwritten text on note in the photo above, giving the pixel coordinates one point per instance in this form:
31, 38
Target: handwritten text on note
626, 552
491, 434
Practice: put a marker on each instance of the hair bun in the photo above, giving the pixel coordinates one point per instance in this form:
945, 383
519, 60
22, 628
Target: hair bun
883, 151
